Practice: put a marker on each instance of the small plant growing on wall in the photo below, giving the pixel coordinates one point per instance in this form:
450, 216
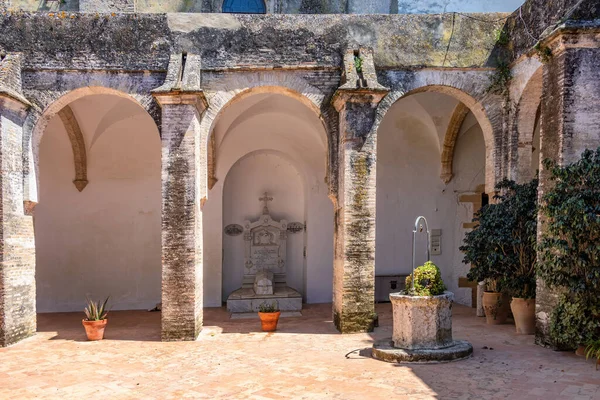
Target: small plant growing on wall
544, 53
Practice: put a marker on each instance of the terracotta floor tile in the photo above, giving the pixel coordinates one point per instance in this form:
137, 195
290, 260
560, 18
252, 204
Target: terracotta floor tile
305, 359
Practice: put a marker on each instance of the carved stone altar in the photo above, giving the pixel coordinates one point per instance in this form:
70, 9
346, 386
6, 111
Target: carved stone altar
264, 279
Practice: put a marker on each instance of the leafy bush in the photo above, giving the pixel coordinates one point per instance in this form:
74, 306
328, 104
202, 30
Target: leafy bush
95, 311
428, 281
569, 249
592, 350
573, 322
502, 247
268, 308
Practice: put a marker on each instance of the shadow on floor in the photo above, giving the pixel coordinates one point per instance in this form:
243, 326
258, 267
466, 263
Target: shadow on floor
137, 325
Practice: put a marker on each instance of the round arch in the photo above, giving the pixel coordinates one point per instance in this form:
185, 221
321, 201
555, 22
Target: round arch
114, 224
474, 105
295, 88
526, 120
241, 125
38, 121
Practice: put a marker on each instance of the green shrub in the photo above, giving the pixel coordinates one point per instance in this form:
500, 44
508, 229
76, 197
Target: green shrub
502, 247
569, 251
428, 281
574, 322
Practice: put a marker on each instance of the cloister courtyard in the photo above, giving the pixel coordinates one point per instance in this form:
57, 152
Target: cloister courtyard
306, 358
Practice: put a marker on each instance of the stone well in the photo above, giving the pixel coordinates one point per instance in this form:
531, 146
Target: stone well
422, 331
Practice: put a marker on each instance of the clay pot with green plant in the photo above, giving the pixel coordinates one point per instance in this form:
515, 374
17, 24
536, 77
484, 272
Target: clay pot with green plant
269, 316
95, 319
502, 252
518, 241
569, 255
481, 251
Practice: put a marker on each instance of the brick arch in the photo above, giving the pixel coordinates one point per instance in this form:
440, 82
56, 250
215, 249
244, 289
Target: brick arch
486, 109
456, 122
247, 86
55, 104
526, 117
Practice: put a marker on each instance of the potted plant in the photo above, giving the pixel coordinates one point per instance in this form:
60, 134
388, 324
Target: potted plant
269, 316
483, 252
95, 319
518, 242
569, 254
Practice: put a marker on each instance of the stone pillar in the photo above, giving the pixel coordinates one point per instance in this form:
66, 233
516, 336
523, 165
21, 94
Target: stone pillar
181, 216
354, 239
183, 171
570, 117
17, 246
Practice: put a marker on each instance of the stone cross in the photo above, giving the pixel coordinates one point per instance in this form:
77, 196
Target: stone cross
265, 199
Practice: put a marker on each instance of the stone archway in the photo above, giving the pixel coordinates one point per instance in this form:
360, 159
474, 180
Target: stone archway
86, 235
422, 133
487, 113
277, 120
50, 105
525, 125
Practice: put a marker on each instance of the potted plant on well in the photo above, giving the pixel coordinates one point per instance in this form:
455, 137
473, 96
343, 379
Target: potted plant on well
569, 254
518, 243
269, 316
483, 252
95, 319
422, 322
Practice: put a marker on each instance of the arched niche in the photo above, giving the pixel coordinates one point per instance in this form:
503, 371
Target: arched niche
411, 139
276, 126
105, 239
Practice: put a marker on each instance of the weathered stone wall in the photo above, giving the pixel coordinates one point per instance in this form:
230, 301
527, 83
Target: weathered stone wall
274, 6
102, 6
17, 250
570, 117
527, 25
145, 41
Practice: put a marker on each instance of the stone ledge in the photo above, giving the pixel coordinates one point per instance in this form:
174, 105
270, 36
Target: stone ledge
384, 350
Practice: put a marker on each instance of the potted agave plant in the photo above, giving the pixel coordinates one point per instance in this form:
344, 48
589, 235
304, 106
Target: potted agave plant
95, 319
269, 316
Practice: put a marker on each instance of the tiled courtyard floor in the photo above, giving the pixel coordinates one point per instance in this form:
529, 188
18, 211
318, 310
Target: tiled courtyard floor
305, 359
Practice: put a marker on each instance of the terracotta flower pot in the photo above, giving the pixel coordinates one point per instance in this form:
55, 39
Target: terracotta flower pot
524, 312
269, 320
94, 329
580, 350
496, 308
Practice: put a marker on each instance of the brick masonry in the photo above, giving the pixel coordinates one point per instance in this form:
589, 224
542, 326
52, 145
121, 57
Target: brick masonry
181, 222
570, 117
66, 56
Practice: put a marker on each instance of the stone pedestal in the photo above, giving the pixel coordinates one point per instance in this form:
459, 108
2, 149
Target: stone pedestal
246, 300
422, 331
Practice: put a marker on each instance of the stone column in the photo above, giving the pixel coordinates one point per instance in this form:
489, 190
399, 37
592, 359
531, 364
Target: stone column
181, 216
354, 238
17, 246
570, 117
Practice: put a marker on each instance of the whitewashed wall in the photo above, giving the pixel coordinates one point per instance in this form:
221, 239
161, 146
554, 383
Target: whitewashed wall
408, 185
104, 240
252, 137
